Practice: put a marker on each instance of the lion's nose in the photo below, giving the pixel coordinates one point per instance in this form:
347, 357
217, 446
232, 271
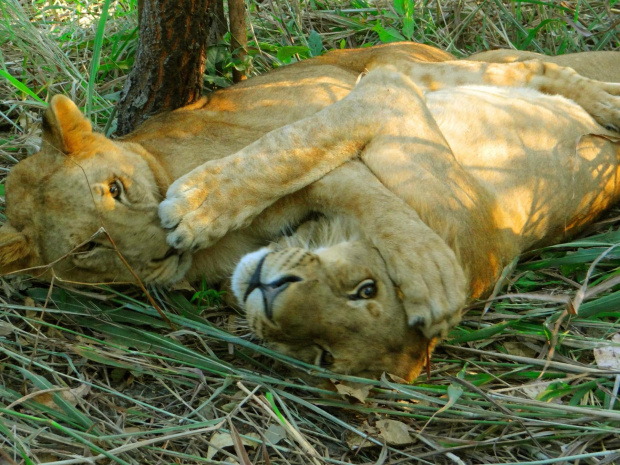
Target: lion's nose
270, 290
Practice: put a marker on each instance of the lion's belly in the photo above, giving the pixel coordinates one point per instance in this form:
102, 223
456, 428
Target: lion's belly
490, 128
529, 151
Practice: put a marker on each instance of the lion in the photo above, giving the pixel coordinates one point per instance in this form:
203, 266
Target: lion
428, 174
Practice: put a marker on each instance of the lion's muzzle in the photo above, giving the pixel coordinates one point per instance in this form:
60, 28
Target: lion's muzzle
269, 290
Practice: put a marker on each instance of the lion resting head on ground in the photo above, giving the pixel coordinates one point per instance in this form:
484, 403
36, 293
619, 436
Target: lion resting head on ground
79, 182
324, 296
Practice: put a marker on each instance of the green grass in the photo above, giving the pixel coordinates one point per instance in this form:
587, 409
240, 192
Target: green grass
95, 376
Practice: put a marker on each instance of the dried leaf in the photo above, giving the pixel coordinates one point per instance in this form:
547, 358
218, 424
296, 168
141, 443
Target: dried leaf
74, 395
47, 458
395, 433
578, 27
355, 441
242, 454
397, 379
47, 399
274, 434
355, 390
6, 328
183, 285
218, 441
5, 459
224, 440
30, 313
133, 429
535, 390
608, 357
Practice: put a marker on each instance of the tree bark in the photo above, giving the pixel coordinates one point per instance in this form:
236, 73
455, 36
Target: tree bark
238, 34
170, 59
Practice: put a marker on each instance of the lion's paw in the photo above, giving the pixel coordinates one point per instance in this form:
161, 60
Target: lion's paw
177, 204
197, 231
433, 286
604, 105
199, 210
600, 99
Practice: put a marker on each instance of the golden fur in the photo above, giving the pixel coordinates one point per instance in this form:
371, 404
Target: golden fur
481, 166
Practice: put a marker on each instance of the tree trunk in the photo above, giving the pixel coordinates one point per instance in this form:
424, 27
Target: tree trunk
238, 34
170, 60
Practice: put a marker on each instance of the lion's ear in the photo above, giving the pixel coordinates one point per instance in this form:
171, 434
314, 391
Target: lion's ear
15, 250
64, 125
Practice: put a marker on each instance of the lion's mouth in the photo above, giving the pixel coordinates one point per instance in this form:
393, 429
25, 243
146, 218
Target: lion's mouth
170, 268
169, 253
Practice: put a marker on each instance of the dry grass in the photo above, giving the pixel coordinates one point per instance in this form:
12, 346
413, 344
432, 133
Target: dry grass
94, 376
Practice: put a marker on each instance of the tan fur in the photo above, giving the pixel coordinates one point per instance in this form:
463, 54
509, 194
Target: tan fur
603, 65
316, 314
481, 167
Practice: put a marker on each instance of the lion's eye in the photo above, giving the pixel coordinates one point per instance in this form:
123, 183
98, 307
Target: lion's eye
115, 188
326, 359
88, 247
367, 289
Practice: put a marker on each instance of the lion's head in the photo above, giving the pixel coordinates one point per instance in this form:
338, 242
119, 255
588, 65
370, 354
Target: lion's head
324, 296
79, 182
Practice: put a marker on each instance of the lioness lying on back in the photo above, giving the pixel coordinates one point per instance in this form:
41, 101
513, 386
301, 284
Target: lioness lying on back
442, 190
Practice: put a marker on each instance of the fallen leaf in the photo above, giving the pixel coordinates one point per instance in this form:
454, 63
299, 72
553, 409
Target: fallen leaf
55, 333
47, 399
242, 454
6, 328
274, 434
397, 379
74, 395
355, 441
30, 310
534, 390
47, 458
608, 356
355, 390
224, 440
134, 429
395, 433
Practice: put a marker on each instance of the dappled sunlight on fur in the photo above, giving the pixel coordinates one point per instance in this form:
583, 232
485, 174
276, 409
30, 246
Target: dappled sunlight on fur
417, 181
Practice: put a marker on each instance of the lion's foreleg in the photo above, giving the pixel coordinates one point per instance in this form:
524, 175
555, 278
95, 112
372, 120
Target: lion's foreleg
227, 194
418, 260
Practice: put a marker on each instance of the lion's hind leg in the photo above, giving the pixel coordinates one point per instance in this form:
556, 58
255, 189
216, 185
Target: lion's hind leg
600, 99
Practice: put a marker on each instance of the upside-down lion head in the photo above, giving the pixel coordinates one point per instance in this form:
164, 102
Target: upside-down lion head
77, 183
330, 302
